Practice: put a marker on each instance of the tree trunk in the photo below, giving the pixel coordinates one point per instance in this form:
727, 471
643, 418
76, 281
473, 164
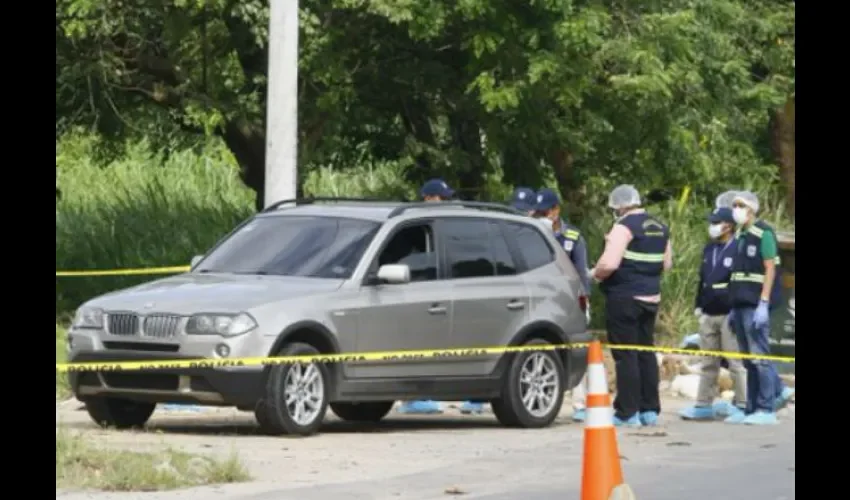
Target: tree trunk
466, 136
247, 141
783, 139
562, 163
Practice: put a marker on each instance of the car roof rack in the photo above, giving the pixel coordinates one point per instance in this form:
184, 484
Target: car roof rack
309, 201
495, 207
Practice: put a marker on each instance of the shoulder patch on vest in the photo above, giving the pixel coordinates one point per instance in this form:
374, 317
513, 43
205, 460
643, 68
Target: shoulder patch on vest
727, 262
751, 250
568, 245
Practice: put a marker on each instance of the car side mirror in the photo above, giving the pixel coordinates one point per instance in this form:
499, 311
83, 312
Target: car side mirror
394, 274
195, 261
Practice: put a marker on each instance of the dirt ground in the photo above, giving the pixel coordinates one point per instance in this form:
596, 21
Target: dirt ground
399, 456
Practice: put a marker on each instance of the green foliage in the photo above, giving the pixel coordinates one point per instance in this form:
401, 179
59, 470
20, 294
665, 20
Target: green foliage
143, 210
672, 93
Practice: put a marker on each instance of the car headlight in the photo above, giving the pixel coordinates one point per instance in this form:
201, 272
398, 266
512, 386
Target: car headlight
227, 325
87, 317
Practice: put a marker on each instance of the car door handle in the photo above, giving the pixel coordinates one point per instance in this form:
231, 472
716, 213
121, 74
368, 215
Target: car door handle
516, 305
437, 309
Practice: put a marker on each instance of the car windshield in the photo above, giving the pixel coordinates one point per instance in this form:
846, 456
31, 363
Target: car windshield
316, 247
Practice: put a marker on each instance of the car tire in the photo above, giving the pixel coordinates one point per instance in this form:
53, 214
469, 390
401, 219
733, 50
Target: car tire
119, 413
509, 407
372, 411
274, 415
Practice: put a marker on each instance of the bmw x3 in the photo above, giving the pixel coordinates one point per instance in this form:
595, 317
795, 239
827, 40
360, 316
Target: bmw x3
334, 276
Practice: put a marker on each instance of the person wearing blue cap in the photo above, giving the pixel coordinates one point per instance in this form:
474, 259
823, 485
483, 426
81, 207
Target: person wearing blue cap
436, 190
524, 199
547, 208
433, 190
712, 307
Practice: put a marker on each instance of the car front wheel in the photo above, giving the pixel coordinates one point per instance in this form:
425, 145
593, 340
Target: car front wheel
119, 413
532, 389
296, 395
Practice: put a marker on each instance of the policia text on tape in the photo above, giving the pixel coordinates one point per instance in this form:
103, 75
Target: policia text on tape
382, 356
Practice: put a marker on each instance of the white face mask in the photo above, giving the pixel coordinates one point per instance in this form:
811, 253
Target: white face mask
715, 230
740, 215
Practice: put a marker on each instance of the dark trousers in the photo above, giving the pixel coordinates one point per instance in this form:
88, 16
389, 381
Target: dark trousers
763, 382
631, 321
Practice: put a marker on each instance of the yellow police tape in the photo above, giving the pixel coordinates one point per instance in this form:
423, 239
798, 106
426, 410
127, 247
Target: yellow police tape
125, 272
356, 357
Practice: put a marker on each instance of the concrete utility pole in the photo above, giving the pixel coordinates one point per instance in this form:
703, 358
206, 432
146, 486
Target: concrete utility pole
282, 102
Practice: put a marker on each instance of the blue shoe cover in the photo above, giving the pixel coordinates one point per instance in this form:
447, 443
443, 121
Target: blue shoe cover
420, 407
698, 413
649, 418
784, 398
736, 418
469, 407
723, 408
579, 415
761, 418
634, 421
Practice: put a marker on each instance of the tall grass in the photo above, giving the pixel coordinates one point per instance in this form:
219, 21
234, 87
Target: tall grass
153, 210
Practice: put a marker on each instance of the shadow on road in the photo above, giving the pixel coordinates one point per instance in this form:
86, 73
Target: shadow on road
247, 427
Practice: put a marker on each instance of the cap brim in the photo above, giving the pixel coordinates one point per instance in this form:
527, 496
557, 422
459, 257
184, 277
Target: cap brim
521, 205
544, 206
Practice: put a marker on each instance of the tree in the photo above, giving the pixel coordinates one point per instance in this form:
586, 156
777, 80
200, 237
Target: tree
659, 93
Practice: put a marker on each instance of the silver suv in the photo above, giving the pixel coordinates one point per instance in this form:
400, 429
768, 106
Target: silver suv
331, 275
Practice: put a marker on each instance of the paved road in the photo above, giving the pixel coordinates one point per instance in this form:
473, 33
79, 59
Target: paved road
429, 458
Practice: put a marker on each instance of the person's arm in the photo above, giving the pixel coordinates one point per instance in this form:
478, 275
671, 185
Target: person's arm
579, 258
668, 256
769, 252
615, 248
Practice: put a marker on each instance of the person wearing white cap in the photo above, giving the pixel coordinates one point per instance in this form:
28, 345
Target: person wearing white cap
637, 251
753, 287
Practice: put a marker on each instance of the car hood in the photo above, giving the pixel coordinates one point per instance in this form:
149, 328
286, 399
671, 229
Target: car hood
194, 293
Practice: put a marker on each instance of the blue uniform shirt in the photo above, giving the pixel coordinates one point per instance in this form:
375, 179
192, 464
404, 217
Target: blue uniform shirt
714, 274
573, 243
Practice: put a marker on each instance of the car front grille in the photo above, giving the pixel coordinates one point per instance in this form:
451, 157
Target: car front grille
123, 324
158, 326
161, 326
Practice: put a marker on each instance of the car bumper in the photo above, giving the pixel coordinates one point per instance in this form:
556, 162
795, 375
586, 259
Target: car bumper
207, 386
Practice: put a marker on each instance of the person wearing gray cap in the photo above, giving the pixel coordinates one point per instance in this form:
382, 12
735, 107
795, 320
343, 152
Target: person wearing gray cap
637, 251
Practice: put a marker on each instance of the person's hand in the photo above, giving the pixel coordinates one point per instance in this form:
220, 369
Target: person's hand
591, 275
760, 317
698, 312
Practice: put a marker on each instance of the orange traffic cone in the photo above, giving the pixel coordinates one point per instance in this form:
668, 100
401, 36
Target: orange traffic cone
601, 472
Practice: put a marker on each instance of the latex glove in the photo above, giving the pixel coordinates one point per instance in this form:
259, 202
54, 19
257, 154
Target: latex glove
760, 317
591, 275
698, 312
